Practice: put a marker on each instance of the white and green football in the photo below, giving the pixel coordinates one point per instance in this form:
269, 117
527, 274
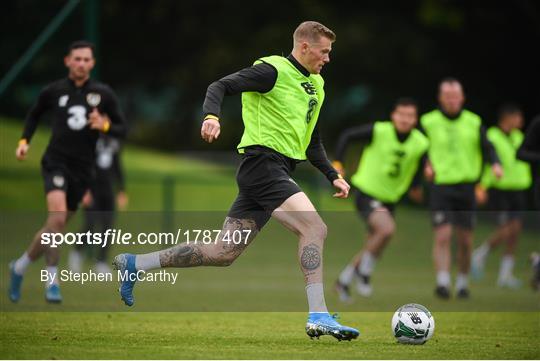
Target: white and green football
413, 324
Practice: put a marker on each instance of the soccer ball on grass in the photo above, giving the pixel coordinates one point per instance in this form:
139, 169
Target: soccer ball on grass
413, 324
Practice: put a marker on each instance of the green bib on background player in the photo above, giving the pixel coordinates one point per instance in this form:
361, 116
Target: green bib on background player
387, 166
283, 118
517, 174
454, 146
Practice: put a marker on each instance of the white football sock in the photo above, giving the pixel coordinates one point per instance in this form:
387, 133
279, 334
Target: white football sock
52, 270
481, 252
346, 276
148, 261
315, 296
462, 281
507, 267
443, 279
21, 264
367, 264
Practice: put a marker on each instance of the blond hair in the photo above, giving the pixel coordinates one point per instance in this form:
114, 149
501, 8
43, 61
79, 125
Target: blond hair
311, 31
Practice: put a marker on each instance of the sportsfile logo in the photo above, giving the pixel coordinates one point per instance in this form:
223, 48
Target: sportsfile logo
120, 237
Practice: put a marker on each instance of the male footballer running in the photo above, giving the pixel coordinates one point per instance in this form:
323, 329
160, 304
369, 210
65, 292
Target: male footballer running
389, 164
281, 101
82, 108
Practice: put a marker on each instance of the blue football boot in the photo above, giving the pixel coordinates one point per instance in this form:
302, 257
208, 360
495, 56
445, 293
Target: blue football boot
52, 294
125, 263
14, 283
322, 323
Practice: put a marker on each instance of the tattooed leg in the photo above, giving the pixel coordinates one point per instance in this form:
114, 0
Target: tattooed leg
221, 253
298, 214
231, 247
311, 261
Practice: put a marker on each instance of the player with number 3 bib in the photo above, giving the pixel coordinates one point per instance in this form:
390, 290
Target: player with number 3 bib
81, 108
388, 166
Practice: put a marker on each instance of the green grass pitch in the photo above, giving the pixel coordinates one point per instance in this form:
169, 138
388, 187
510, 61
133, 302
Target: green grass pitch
254, 309
257, 335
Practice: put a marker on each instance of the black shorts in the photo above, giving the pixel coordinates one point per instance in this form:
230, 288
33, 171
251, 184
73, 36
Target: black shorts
536, 190
454, 204
61, 174
366, 204
506, 205
264, 183
103, 197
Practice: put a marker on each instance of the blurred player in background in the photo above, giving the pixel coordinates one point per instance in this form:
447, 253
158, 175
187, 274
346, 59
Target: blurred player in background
458, 146
388, 165
535, 263
83, 109
530, 152
506, 195
281, 101
99, 201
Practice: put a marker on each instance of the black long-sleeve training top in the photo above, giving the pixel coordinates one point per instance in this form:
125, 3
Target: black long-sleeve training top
109, 170
71, 106
529, 150
261, 78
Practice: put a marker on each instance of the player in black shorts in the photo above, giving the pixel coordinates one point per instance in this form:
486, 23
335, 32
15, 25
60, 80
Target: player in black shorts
388, 166
458, 148
100, 203
281, 100
505, 196
82, 109
530, 152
